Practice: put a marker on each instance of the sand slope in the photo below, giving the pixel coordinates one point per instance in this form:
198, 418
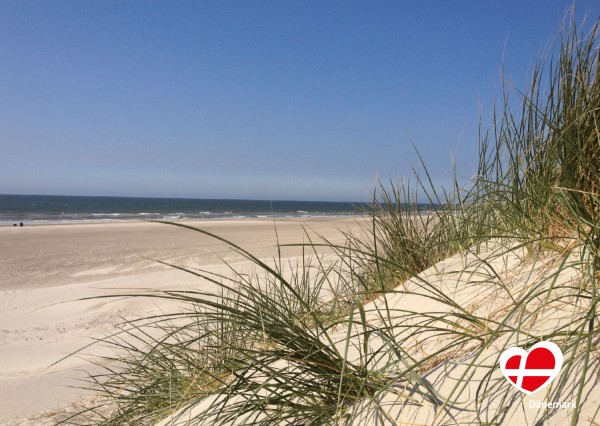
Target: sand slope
468, 387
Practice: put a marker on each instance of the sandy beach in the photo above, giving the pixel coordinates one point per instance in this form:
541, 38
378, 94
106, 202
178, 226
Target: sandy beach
379, 216
46, 269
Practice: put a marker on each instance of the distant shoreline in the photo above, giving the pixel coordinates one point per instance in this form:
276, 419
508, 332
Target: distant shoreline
33, 209
277, 218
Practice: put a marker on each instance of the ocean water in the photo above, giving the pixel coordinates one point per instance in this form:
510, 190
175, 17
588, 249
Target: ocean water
59, 209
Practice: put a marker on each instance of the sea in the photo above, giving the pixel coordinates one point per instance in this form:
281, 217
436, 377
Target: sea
41, 209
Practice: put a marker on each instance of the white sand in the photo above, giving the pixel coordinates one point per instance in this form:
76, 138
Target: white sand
44, 270
46, 265
472, 281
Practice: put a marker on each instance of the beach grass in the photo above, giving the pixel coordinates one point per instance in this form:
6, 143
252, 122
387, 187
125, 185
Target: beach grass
320, 342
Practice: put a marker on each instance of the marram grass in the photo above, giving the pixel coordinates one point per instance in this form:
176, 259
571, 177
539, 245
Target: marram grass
299, 344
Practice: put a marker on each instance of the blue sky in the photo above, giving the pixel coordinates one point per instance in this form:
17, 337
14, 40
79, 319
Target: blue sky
308, 100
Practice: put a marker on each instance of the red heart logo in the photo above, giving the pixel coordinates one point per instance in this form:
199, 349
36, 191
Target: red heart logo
534, 370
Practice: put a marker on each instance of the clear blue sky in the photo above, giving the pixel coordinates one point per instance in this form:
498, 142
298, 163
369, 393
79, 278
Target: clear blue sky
252, 99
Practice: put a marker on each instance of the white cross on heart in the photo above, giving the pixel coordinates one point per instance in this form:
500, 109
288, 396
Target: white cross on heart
531, 371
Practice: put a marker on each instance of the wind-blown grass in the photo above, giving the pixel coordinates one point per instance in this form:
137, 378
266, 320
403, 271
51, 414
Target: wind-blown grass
301, 344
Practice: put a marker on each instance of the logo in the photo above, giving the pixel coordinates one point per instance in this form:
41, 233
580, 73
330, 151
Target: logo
531, 371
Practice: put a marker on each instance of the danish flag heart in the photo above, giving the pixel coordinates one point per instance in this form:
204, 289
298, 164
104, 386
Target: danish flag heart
534, 370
